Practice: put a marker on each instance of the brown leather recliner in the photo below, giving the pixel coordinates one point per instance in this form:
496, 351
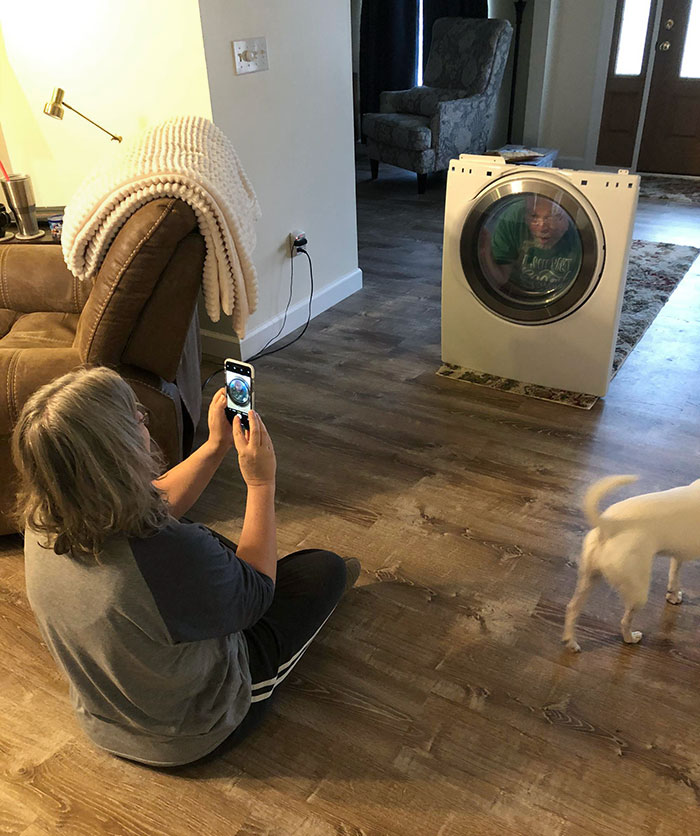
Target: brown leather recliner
135, 318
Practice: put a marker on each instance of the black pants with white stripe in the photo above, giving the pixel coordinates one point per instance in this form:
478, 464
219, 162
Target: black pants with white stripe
309, 585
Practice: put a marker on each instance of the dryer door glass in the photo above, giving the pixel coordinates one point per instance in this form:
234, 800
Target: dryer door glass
530, 255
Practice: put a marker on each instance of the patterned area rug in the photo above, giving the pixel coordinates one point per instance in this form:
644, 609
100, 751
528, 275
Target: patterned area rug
675, 189
654, 272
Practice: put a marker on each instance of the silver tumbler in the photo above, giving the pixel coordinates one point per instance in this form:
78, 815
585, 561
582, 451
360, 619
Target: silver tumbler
20, 197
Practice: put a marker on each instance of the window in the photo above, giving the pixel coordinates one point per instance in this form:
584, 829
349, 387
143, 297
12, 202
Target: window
419, 51
690, 63
633, 33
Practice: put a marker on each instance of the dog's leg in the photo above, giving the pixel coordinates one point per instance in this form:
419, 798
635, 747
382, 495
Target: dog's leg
674, 594
584, 584
630, 574
630, 636
634, 599
573, 610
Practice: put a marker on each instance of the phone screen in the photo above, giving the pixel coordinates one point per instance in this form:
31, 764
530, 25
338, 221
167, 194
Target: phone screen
239, 390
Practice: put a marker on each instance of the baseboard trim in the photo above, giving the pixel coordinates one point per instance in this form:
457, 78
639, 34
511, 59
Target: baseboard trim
218, 346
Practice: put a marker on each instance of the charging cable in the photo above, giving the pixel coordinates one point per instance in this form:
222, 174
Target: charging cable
212, 375
297, 244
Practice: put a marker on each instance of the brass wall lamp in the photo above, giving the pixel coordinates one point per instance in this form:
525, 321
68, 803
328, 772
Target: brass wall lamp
54, 108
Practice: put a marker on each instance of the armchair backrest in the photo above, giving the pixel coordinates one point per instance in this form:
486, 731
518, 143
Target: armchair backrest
465, 52
145, 293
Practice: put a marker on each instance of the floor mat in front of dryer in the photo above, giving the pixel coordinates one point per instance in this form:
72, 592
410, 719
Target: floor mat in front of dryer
529, 390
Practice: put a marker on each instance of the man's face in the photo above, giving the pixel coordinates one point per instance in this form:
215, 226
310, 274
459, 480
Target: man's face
546, 221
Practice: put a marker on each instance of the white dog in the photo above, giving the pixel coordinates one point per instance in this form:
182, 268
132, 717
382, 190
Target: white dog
623, 542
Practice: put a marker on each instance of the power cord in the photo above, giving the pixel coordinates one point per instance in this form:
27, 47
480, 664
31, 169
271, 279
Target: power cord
213, 374
299, 246
292, 247
262, 352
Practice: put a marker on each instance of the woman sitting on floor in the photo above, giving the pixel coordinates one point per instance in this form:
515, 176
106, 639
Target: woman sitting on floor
173, 638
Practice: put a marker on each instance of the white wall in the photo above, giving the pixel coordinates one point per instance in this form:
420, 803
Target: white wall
292, 127
568, 65
121, 62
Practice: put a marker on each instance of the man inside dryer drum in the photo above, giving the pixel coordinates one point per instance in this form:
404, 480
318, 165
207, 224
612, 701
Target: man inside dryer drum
535, 248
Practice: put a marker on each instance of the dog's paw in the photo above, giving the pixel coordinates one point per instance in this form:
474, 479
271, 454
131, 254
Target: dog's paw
572, 645
635, 637
674, 597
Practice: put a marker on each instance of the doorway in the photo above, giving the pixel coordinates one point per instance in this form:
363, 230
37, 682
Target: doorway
651, 111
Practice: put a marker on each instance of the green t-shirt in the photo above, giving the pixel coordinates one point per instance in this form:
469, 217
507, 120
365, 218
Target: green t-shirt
534, 268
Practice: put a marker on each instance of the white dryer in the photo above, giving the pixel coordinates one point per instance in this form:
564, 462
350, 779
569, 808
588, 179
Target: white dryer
533, 271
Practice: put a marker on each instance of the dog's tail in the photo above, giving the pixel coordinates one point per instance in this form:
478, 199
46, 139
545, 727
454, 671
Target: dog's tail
597, 491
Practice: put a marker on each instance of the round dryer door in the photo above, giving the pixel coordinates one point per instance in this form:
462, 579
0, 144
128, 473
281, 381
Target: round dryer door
530, 251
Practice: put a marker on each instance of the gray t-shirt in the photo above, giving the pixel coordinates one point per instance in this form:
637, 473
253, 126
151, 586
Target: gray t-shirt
149, 637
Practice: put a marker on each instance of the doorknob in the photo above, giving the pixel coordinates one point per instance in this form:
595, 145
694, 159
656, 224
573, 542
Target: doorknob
665, 46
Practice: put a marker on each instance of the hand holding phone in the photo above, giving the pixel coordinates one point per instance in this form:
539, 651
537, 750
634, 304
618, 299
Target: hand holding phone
219, 427
239, 390
256, 455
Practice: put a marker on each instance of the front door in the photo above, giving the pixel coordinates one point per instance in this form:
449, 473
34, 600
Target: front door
671, 137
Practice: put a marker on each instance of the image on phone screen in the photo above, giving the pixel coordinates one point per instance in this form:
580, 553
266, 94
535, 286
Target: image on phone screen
239, 391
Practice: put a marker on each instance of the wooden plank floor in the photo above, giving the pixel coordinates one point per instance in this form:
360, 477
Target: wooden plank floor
438, 700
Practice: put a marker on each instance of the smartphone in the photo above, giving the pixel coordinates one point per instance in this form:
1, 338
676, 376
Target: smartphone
239, 390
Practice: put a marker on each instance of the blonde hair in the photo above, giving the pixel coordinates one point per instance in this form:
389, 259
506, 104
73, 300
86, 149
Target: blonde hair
85, 473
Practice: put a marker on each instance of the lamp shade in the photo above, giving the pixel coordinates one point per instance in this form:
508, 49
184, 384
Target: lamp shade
54, 107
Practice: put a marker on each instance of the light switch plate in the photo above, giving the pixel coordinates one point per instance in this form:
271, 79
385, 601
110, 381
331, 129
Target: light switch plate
250, 56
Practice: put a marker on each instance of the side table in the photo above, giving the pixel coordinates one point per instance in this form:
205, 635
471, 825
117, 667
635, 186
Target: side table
43, 213
47, 238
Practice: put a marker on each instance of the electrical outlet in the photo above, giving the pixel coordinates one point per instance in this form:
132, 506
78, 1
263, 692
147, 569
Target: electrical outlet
295, 236
250, 56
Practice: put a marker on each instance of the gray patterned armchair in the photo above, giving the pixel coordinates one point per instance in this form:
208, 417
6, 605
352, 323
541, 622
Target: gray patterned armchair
422, 129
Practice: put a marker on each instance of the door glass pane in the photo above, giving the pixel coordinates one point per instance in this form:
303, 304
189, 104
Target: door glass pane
419, 60
529, 249
690, 65
633, 33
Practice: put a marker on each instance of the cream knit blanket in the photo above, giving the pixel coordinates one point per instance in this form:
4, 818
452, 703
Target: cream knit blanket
186, 157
